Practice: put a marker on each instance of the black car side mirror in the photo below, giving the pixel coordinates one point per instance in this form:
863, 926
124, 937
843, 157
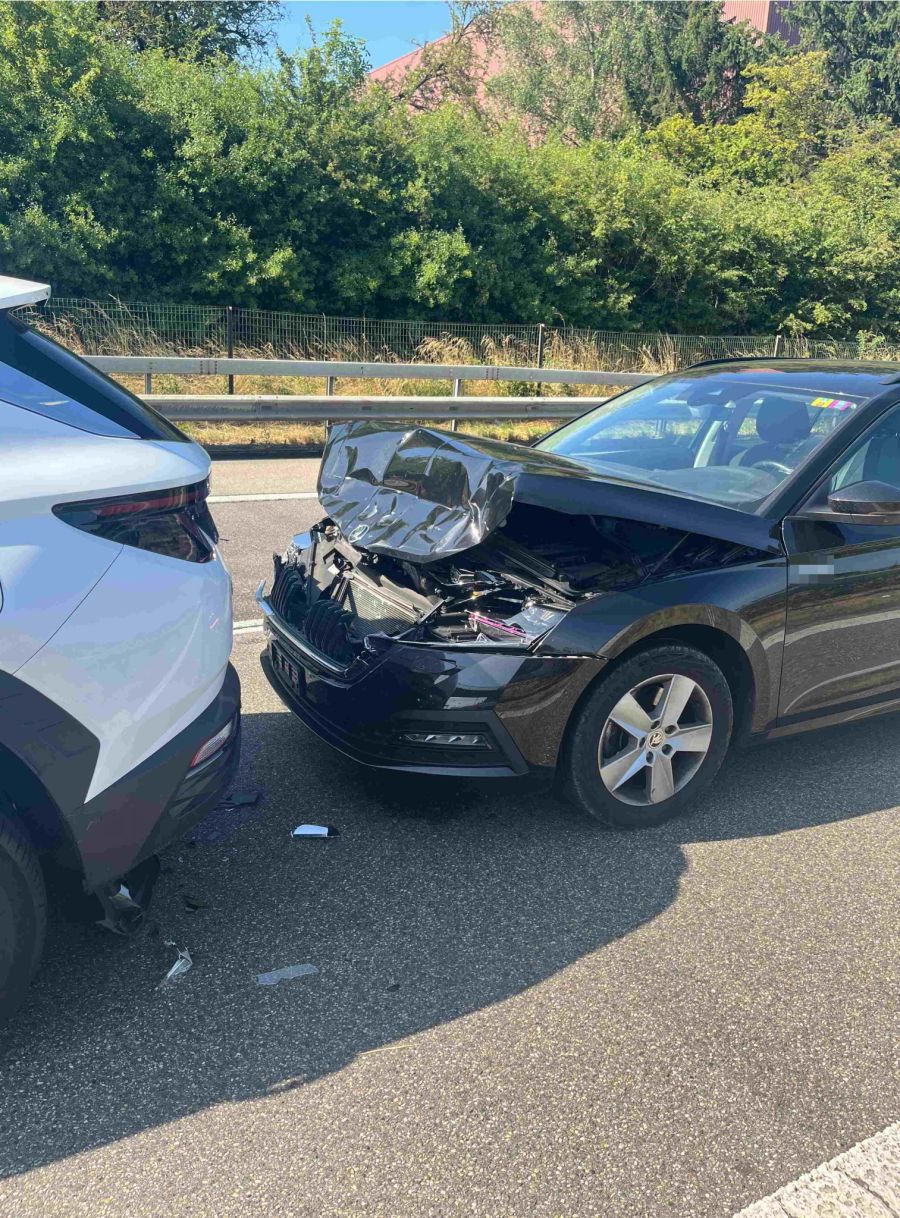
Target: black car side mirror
867, 502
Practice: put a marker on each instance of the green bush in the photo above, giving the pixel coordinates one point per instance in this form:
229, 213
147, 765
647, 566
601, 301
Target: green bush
156, 176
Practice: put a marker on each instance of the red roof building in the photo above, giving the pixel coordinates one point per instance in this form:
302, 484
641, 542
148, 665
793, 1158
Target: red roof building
764, 15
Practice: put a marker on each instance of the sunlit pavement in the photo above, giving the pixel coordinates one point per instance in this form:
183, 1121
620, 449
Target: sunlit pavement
513, 1013
864, 1182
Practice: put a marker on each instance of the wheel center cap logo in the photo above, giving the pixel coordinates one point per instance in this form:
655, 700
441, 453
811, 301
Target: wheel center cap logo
655, 739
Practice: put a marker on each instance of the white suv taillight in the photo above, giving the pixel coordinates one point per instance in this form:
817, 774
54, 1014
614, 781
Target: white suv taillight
175, 522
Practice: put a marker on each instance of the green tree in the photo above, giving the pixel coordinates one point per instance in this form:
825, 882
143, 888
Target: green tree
153, 176
584, 70
192, 28
453, 67
791, 123
294, 185
839, 239
862, 41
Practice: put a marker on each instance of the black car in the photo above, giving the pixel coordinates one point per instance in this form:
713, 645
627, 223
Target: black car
711, 557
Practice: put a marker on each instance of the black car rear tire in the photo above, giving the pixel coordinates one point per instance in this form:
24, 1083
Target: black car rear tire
23, 914
662, 764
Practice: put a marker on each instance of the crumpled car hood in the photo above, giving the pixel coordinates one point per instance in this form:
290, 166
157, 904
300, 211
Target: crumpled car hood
419, 494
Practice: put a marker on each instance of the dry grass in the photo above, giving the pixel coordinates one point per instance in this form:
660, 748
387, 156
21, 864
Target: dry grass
560, 353
354, 387
444, 350
570, 351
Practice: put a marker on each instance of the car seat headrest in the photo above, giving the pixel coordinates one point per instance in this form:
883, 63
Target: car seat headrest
783, 421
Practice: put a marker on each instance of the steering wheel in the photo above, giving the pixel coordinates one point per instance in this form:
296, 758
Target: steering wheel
772, 467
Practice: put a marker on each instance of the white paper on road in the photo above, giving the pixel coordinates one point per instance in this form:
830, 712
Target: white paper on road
288, 973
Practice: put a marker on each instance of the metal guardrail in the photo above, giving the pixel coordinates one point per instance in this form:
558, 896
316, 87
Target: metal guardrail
332, 369
283, 407
280, 407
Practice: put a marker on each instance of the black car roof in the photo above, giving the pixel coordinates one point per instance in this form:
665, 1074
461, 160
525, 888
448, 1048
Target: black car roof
858, 377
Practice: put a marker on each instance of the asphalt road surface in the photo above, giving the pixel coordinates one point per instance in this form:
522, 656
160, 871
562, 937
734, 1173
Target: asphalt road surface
513, 1013
252, 530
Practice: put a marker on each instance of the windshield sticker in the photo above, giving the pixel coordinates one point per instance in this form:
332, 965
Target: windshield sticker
832, 403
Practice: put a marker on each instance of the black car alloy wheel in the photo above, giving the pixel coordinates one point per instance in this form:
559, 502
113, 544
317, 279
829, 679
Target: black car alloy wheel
650, 736
655, 739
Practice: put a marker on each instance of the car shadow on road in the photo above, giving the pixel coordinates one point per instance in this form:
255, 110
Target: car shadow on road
436, 901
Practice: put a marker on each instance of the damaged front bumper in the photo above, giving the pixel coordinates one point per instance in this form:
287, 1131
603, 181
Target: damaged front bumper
428, 709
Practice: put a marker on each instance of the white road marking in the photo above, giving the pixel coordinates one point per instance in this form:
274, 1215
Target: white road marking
262, 498
250, 626
863, 1183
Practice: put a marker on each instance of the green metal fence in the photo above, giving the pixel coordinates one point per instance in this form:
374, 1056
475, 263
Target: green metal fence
115, 328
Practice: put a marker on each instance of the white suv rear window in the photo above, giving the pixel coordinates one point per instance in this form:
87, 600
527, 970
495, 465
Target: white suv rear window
38, 374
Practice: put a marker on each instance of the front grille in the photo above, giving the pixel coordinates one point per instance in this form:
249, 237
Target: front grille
324, 622
327, 627
289, 592
374, 613
335, 627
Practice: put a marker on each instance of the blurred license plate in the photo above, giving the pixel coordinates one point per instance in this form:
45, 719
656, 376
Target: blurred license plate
291, 673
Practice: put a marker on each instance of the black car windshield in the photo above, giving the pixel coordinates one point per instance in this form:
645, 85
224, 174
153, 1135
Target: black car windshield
729, 436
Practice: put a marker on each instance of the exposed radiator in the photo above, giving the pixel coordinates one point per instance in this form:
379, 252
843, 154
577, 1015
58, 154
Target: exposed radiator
374, 613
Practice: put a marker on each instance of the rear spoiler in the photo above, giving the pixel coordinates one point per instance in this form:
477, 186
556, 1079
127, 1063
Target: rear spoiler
17, 292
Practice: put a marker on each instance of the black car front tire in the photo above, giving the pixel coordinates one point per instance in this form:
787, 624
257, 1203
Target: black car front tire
23, 914
598, 752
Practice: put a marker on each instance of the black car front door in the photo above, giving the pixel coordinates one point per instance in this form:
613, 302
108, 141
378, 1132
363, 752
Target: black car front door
842, 636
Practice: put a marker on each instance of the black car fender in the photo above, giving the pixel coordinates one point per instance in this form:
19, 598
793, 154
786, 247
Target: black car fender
745, 604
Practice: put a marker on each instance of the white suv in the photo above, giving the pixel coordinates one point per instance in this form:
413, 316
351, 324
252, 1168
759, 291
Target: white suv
119, 710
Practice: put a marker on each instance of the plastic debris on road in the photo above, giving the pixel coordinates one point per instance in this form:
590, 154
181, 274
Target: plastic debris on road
181, 965
314, 831
123, 910
232, 814
125, 906
289, 973
241, 799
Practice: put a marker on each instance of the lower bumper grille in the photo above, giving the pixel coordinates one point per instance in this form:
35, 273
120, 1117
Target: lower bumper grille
363, 724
